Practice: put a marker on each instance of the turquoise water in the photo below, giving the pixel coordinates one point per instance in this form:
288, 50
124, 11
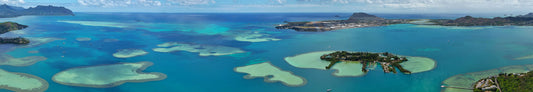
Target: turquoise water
457, 50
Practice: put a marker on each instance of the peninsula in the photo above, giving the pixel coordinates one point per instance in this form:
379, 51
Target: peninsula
7, 11
357, 20
389, 62
510, 82
11, 26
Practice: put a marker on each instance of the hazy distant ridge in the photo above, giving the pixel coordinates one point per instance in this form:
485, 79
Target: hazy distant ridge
13, 11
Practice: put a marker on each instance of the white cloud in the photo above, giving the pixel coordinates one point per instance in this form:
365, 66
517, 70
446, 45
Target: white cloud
280, 1
115, 3
434, 5
401, 6
271, 6
12, 1
406, 5
192, 2
150, 3
429, 3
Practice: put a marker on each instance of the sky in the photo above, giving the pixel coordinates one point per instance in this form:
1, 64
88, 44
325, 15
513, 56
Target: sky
371, 6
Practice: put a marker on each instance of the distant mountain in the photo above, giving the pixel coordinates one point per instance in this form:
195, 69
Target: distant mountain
8, 11
530, 15
13, 11
522, 20
15, 7
364, 16
357, 20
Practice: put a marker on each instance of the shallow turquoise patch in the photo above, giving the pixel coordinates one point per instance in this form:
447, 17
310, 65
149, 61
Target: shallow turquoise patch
256, 61
213, 29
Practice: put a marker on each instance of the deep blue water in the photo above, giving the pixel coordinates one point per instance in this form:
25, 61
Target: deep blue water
457, 50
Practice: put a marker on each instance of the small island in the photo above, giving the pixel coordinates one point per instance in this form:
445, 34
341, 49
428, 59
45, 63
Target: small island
389, 62
349, 68
11, 26
14, 11
357, 20
506, 82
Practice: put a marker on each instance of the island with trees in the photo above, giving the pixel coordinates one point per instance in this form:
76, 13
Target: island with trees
388, 61
7, 11
12, 26
506, 82
357, 20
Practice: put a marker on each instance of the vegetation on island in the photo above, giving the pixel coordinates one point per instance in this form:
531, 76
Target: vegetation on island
388, 61
11, 26
512, 82
18, 40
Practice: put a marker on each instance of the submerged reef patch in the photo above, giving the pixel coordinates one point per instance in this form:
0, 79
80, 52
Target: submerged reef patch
266, 70
105, 76
419, 64
25, 61
203, 50
40, 41
255, 37
6, 59
524, 57
96, 23
211, 29
81, 39
312, 60
127, 53
21, 82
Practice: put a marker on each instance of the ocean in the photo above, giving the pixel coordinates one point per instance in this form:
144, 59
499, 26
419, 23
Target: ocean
457, 50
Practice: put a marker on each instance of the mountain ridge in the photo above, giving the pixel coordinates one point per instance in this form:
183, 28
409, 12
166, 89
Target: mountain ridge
7, 11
